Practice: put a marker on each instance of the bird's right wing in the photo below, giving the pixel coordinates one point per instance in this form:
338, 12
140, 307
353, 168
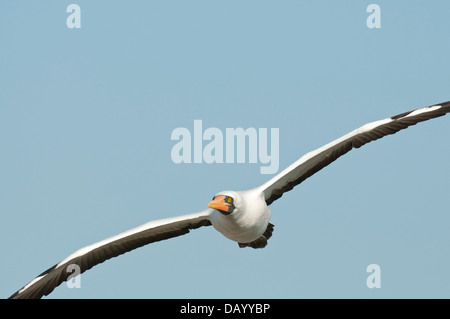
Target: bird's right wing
314, 161
89, 256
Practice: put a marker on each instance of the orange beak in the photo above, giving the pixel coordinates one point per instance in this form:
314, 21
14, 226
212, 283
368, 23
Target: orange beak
219, 203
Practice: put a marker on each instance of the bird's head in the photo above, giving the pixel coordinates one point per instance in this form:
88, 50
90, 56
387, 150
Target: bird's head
225, 202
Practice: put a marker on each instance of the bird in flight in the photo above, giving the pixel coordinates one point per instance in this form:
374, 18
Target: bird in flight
242, 216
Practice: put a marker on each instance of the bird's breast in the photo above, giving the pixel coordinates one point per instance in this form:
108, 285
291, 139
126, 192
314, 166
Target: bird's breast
244, 226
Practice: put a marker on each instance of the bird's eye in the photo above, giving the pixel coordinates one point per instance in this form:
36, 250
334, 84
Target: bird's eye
229, 200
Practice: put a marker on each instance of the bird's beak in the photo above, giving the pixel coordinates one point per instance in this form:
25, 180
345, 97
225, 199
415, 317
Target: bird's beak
219, 203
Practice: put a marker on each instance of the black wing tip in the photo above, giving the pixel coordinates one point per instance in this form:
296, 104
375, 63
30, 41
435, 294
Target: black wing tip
17, 293
13, 296
445, 108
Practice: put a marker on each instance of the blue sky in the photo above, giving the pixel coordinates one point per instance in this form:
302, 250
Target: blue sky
86, 117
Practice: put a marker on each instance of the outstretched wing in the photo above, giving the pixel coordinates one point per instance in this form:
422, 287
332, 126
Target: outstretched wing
89, 256
314, 161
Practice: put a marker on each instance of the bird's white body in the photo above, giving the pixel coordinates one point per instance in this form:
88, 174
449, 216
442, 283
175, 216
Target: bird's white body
248, 222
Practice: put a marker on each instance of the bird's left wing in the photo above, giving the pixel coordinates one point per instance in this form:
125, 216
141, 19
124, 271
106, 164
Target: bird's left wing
89, 256
314, 161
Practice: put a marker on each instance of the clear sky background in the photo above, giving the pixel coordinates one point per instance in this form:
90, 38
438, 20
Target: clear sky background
86, 117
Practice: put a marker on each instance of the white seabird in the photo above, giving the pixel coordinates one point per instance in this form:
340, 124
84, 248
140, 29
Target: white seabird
242, 216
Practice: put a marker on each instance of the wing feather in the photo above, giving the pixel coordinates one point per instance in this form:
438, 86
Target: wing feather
92, 255
314, 161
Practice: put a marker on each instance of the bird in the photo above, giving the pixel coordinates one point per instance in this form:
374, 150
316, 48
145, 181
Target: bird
241, 216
